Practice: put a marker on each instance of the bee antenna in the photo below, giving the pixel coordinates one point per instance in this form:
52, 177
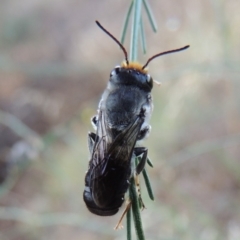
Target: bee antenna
164, 53
120, 45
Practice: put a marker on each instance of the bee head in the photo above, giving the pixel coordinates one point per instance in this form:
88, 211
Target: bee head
134, 68
131, 74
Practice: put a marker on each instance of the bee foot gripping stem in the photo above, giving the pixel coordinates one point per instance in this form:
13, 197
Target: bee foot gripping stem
128, 206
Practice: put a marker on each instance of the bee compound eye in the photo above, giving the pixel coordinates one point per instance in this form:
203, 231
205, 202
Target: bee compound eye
148, 78
115, 71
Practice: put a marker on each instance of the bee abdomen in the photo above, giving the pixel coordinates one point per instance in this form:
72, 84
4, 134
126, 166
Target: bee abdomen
105, 195
101, 211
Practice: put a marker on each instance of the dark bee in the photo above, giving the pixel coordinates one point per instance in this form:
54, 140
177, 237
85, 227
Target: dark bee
123, 119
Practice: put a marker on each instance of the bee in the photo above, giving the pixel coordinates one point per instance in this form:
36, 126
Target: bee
123, 118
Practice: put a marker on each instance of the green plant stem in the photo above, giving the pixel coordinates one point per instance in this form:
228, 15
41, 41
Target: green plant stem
148, 184
125, 25
149, 162
136, 211
137, 28
137, 5
143, 38
129, 226
150, 15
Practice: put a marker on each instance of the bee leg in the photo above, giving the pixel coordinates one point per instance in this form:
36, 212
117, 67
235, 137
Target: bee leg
138, 151
92, 138
137, 184
128, 205
94, 121
143, 133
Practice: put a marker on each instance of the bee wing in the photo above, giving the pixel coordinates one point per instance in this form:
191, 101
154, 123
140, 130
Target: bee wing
125, 141
118, 149
111, 161
104, 139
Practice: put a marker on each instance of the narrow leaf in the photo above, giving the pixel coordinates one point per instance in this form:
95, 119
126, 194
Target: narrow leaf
143, 38
149, 162
125, 26
150, 15
129, 225
136, 211
148, 184
137, 5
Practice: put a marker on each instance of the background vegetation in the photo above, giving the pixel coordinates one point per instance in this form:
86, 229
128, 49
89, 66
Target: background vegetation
54, 65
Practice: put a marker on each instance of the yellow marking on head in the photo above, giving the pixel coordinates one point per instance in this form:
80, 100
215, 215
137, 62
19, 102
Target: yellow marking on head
135, 65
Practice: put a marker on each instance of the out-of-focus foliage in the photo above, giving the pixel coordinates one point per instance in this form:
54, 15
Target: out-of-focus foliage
54, 64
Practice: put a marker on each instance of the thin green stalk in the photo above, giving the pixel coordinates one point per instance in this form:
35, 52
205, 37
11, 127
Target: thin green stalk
136, 211
150, 15
124, 31
148, 184
136, 31
149, 162
129, 226
137, 5
143, 38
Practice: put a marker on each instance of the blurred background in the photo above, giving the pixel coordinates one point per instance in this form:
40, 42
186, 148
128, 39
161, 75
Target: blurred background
54, 65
